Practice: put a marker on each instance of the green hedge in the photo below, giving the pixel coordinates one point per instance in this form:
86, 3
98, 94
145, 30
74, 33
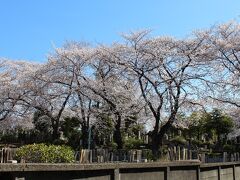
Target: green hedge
42, 153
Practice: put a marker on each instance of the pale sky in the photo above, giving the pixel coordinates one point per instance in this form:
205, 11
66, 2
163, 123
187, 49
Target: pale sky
30, 29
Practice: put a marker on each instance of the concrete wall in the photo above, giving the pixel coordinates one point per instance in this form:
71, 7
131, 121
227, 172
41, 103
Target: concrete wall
188, 170
237, 172
209, 174
183, 173
142, 174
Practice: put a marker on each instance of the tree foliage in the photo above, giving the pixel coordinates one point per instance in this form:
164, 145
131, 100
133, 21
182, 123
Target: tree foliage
143, 80
218, 123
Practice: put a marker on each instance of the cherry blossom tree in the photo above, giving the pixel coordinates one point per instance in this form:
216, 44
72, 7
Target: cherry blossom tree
13, 74
75, 58
142, 77
223, 42
166, 71
98, 88
115, 96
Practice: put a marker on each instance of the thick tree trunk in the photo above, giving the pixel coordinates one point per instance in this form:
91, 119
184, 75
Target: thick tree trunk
156, 142
157, 139
84, 136
55, 134
117, 135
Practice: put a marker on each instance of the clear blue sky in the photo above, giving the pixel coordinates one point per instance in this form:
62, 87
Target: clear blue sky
29, 28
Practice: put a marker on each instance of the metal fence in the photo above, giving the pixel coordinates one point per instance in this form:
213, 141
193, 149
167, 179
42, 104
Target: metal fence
222, 157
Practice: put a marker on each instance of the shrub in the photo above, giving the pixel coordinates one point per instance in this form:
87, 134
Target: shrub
229, 148
42, 153
164, 150
111, 145
198, 142
147, 153
178, 140
213, 154
132, 143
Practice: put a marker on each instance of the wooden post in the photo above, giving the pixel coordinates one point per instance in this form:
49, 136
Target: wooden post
190, 154
1, 155
175, 152
179, 153
90, 156
187, 154
184, 154
81, 156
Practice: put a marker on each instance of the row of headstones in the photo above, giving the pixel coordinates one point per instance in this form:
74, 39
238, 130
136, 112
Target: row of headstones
177, 153
104, 155
230, 157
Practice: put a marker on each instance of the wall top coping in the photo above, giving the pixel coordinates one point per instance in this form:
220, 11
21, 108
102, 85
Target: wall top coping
104, 166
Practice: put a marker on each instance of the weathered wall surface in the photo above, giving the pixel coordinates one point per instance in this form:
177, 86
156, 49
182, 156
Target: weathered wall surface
142, 174
209, 174
237, 172
182, 170
183, 173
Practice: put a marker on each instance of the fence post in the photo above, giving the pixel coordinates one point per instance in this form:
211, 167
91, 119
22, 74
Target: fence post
219, 172
198, 172
116, 174
179, 153
190, 154
175, 152
167, 176
89, 156
234, 173
225, 156
185, 154
1, 155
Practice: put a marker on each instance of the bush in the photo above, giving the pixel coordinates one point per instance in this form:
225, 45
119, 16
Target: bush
197, 142
178, 140
147, 153
213, 154
111, 145
132, 143
42, 153
163, 150
229, 148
